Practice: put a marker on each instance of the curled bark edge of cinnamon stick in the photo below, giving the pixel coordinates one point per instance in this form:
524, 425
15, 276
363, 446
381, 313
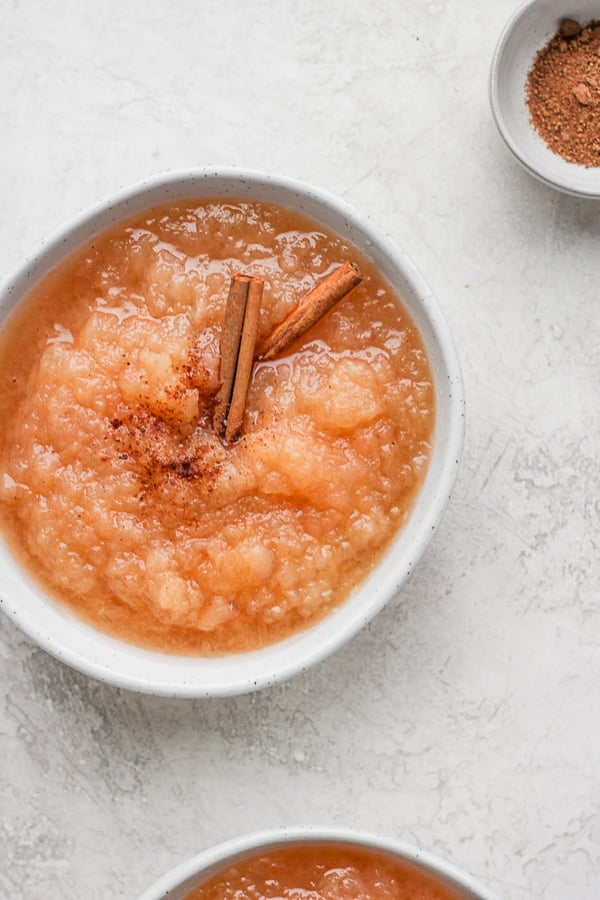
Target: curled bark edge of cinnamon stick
245, 362
235, 310
329, 291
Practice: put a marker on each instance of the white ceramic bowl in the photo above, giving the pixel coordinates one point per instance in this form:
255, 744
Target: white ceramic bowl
175, 885
528, 30
55, 629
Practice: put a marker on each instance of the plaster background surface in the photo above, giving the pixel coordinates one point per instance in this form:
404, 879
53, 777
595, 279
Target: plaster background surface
465, 718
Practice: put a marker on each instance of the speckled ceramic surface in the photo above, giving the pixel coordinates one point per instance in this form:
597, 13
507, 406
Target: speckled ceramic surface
176, 885
526, 32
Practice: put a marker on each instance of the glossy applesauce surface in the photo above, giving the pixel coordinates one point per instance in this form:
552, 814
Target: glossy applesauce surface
115, 491
323, 872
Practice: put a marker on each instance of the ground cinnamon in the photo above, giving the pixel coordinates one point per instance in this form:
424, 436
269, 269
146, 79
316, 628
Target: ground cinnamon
311, 308
563, 93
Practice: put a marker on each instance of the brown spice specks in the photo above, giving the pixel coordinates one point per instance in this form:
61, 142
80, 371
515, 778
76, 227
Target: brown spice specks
160, 452
563, 93
570, 28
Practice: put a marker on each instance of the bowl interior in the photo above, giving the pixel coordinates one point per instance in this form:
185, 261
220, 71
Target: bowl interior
526, 33
114, 661
175, 885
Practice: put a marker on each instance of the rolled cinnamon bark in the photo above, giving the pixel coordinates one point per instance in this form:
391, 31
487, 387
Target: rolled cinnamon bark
245, 361
233, 325
310, 309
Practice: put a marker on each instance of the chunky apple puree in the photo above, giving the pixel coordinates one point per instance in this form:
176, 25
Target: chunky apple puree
322, 872
114, 488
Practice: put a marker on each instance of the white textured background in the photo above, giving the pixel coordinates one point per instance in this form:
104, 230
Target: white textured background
466, 718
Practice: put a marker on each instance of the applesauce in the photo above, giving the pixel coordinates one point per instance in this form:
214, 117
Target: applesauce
323, 872
115, 491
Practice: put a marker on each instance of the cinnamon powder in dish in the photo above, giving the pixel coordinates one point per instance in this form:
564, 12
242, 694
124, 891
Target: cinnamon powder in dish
563, 93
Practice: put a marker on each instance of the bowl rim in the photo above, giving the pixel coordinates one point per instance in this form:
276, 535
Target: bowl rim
496, 65
220, 855
445, 479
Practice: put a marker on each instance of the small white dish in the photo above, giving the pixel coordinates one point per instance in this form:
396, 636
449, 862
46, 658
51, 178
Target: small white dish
526, 32
177, 883
76, 643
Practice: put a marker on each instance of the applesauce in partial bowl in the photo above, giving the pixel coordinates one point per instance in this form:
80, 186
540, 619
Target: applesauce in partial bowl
322, 872
123, 508
315, 863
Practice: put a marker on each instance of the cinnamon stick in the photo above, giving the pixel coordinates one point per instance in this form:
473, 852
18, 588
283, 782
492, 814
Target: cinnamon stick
243, 372
230, 346
310, 309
